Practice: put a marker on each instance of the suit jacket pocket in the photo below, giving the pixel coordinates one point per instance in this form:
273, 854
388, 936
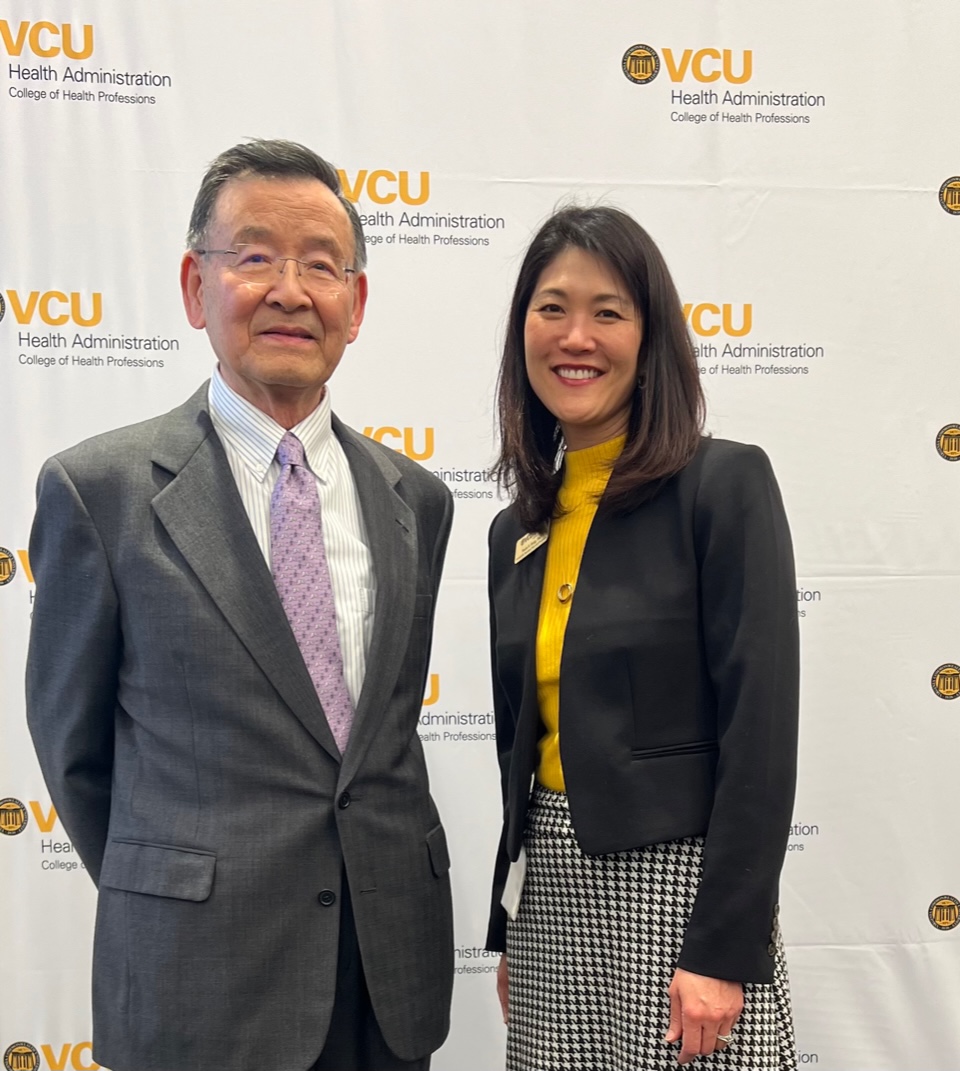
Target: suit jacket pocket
423, 606
671, 789
695, 747
158, 869
437, 847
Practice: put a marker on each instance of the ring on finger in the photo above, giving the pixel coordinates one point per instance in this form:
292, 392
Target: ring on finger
725, 1038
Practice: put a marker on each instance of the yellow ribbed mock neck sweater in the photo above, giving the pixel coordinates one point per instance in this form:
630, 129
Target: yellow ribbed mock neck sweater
585, 475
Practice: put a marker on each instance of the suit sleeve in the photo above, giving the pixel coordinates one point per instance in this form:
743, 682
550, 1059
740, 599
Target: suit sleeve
72, 663
436, 517
505, 730
748, 593
440, 543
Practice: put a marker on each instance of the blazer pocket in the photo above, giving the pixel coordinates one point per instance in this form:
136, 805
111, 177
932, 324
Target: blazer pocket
696, 747
423, 605
158, 870
439, 855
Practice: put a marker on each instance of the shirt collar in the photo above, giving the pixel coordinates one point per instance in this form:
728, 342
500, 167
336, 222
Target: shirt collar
254, 436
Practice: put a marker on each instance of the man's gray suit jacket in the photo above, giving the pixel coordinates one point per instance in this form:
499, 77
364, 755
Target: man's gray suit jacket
189, 758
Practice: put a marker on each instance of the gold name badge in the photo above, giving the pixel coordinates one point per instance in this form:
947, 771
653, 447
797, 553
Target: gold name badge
528, 544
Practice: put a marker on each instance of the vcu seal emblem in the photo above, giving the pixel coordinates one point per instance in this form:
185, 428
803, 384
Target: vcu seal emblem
8, 566
640, 64
950, 196
944, 912
21, 1056
13, 817
948, 442
3, 307
946, 680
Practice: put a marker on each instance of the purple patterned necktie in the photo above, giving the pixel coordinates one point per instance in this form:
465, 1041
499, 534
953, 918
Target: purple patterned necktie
303, 582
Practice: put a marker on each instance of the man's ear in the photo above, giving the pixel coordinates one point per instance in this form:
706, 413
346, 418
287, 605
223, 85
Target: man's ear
359, 304
191, 289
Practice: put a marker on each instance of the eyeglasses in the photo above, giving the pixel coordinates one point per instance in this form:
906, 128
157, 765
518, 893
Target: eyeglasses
259, 265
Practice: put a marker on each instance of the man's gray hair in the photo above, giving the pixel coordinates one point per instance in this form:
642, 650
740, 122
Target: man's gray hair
271, 159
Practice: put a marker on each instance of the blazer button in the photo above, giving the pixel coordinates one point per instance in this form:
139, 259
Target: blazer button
344, 801
328, 897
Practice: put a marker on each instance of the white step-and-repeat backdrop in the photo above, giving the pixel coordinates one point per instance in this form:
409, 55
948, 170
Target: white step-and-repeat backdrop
800, 167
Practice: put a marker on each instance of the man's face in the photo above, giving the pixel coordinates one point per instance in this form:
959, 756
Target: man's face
278, 340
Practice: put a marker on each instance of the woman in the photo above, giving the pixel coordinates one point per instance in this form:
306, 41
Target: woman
645, 676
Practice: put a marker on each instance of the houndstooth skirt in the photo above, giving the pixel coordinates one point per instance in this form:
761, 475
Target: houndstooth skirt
592, 952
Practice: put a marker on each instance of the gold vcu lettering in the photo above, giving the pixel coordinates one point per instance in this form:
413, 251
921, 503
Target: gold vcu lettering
406, 438
433, 690
79, 1057
384, 187
46, 305
25, 562
45, 820
703, 319
702, 65
41, 38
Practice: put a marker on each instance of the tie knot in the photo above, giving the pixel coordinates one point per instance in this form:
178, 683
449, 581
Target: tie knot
290, 450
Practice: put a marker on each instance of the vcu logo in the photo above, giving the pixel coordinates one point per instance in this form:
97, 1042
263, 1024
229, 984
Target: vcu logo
384, 187
21, 1056
944, 912
13, 817
946, 680
49, 305
408, 444
948, 444
950, 196
46, 39
641, 64
707, 320
8, 566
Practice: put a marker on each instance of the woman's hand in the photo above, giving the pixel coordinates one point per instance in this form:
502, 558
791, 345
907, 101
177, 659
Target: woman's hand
502, 985
700, 1009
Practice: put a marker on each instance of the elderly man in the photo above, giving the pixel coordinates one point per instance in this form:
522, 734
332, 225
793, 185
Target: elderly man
230, 642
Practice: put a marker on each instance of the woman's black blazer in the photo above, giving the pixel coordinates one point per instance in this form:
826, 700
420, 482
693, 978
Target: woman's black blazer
678, 693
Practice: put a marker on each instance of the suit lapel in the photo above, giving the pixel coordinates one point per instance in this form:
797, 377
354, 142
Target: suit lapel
392, 535
523, 589
203, 514
516, 589
529, 593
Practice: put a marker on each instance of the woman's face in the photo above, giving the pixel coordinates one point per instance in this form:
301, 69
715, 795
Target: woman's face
581, 342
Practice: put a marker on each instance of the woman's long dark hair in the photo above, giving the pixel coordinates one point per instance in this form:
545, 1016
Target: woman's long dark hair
666, 418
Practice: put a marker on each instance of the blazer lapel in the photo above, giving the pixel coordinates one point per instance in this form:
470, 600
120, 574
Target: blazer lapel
203, 514
516, 589
392, 533
529, 590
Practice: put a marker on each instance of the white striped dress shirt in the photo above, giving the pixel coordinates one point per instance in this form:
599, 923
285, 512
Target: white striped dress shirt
250, 439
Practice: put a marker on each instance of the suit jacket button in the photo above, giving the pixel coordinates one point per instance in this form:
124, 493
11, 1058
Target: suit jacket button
771, 949
344, 801
327, 897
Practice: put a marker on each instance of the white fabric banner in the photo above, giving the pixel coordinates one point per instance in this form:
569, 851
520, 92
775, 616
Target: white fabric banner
797, 165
